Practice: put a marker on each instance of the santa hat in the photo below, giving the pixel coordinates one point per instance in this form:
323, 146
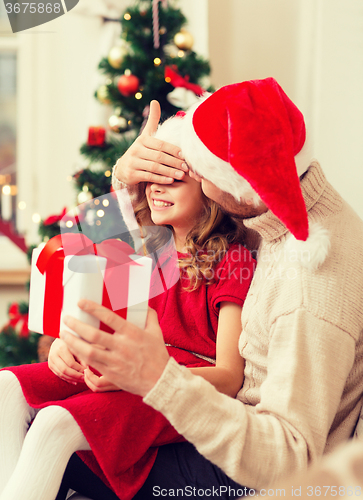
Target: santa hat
249, 139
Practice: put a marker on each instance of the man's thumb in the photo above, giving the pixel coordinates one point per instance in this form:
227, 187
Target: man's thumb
153, 119
152, 323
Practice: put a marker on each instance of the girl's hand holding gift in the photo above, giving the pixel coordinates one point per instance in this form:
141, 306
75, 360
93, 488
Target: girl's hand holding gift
63, 364
98, 383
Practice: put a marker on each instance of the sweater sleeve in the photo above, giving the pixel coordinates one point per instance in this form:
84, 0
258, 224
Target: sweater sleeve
127, 197
308, 364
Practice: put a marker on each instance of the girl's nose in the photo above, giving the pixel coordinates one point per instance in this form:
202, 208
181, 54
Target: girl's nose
156, 188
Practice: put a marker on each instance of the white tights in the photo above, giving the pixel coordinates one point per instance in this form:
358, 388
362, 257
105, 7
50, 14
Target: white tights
32, 462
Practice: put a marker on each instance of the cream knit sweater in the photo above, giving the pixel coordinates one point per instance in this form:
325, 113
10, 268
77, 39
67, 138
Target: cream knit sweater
303, 345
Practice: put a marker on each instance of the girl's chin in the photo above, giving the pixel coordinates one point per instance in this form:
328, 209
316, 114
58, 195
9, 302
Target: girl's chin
159, 220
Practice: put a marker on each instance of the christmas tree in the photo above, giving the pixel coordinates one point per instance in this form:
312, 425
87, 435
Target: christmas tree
153, 59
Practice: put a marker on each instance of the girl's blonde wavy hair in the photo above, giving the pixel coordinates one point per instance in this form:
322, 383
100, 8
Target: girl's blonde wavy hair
207, 243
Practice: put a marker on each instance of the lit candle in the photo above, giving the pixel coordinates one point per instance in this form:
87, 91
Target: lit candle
6, 203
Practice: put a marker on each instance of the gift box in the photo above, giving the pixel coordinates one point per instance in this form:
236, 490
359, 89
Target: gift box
70, 267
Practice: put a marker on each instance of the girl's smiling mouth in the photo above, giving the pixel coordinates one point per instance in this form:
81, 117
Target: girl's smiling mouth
161, 203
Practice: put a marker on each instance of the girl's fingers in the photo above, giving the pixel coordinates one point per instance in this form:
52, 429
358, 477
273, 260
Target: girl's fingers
63, 371
70, 362
98, 383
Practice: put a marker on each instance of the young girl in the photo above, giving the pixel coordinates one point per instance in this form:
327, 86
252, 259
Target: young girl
115, 433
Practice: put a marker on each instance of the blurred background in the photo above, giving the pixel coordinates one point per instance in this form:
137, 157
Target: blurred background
49, 75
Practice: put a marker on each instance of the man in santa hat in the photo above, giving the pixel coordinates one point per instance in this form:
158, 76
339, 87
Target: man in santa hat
303, 317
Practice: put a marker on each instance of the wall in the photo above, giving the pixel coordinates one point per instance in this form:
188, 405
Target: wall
248, 38
339, 96
314, 49
53, 112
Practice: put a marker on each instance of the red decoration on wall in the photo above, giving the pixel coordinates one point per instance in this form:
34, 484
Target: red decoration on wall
96, 136
17, 320
8, 230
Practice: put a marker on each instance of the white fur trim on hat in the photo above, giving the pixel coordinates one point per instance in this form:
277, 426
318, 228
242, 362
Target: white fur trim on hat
170, 130
312, 252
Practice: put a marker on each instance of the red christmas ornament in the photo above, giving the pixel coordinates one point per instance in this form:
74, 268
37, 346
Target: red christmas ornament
96, 136
128, 85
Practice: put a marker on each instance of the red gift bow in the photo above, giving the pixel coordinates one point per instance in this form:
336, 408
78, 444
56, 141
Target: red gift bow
173, 77
51, 262
52, 219
18, 319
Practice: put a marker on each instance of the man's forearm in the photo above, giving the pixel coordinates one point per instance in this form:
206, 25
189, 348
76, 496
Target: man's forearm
258, 446
224, 430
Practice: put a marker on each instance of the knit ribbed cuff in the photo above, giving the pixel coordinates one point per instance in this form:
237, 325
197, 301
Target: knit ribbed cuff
170, 382
116, 183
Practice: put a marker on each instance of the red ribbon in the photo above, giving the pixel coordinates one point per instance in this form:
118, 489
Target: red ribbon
18, 320
173, 77
51, 262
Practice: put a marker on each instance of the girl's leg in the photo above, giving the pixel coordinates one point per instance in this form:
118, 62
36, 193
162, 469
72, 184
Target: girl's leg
49, 443
15, 417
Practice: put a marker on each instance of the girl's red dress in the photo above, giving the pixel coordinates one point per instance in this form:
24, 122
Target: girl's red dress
123, 432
